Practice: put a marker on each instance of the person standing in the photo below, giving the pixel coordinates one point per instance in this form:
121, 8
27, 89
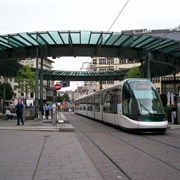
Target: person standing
47, 108
173, 112
44, 110
19, 112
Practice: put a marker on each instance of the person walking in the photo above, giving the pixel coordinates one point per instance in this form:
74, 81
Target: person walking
19, 112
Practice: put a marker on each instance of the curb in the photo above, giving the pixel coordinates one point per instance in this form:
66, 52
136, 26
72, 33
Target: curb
59, 128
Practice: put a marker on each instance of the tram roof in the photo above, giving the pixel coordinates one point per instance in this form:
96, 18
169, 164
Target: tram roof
164, 46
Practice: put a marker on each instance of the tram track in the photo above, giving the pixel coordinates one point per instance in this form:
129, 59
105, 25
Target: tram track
90, 127
108, 157
158, 141
172, 134
155, 157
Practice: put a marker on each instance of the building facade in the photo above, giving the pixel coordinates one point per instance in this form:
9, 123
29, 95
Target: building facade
163, 84
19, 94
106, 64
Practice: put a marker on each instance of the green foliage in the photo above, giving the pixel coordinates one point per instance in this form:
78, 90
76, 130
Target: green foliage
134, 72
25, 78
63, 97
59, 99
9, 91
66, 97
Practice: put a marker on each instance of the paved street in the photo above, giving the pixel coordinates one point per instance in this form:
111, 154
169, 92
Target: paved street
40, 150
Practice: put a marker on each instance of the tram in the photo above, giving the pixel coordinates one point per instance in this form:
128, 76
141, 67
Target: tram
132, 104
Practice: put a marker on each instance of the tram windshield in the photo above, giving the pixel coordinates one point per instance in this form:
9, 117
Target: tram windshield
140, 97
147, 98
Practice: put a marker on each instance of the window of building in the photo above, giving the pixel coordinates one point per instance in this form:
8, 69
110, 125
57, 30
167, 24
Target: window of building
130, 61
103, 69
122, 61
94, 61
110, 82
31, 95
102, 61
15, 87
156, 79
110, 60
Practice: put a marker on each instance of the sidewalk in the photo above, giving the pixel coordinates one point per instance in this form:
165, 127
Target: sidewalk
62, 125
38, 151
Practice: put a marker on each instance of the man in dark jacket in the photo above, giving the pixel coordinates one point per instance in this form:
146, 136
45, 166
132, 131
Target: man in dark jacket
19, 112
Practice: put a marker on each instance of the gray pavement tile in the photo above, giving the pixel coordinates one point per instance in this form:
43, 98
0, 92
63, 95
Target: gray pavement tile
43, 155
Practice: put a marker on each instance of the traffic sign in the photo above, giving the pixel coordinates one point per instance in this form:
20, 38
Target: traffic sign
57, 87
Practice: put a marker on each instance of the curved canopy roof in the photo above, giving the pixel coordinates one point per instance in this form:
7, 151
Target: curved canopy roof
85, 75
161, 48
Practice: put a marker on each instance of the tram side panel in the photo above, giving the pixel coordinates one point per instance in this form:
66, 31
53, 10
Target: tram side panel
90, 106
112, 108
132, 105
98, 108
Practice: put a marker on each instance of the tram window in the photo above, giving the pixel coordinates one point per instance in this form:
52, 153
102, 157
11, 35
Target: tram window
110, 101
90, 103
97, 102
84, 104
144, 93
106, 104
129, 104
77, 105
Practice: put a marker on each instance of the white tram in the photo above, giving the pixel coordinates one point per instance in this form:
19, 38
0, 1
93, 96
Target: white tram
132, 104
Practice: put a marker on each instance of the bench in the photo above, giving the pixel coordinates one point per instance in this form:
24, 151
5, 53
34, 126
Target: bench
4, 117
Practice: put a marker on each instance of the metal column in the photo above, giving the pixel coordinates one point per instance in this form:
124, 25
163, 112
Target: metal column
4, 92
41, 88
36, 85
148, 65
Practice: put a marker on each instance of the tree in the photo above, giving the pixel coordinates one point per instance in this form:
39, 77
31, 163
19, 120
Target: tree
9, 91
66, 97
134, 72
25, 78
63, 97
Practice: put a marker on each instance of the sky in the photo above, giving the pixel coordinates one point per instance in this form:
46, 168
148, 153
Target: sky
17, 16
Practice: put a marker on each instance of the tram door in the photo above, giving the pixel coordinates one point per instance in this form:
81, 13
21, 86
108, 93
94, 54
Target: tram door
178, 110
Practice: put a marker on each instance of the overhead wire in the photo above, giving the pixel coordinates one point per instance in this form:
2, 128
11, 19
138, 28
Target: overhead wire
113, 23
118, 15
110, 27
